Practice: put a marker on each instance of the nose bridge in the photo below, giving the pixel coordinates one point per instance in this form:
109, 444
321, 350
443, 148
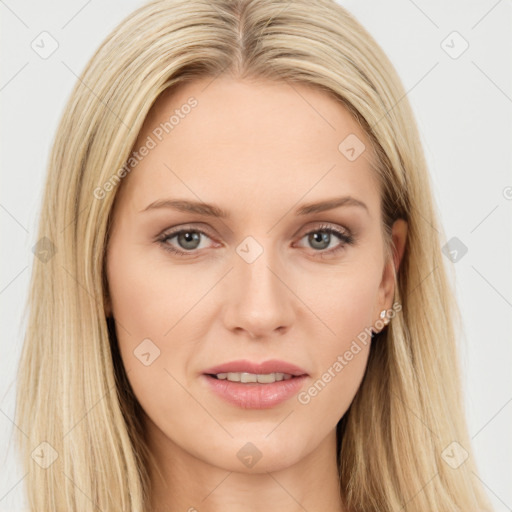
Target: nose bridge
261, 302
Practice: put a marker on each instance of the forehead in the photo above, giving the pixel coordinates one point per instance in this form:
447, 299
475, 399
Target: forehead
246, 141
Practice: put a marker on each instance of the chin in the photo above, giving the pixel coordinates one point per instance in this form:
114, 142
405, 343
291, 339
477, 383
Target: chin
255, 454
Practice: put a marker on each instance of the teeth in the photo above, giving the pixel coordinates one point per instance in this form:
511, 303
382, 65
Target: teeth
267, 378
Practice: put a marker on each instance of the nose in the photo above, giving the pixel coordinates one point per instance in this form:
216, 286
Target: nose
260, 302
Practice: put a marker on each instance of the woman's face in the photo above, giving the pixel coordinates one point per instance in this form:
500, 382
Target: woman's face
261, 274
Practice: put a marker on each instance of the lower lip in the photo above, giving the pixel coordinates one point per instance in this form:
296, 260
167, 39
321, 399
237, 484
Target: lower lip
254, 395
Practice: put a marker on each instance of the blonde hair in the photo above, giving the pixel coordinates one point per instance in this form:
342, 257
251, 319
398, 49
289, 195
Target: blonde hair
73, 392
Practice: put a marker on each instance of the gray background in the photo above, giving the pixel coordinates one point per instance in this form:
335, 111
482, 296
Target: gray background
463, 108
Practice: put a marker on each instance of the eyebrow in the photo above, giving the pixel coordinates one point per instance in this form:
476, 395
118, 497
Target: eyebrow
214, 211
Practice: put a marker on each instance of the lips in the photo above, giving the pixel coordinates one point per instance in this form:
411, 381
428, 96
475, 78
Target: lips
249, 394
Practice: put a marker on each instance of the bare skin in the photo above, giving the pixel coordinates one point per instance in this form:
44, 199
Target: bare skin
259, 151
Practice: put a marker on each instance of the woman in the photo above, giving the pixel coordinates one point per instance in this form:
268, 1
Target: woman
246, 306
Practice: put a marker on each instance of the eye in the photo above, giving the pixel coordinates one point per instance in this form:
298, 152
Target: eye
322, 238
188, 240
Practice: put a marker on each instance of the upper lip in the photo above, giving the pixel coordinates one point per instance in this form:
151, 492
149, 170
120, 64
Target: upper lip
270, 366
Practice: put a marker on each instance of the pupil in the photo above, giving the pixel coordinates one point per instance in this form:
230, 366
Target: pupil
190, 238
320, 237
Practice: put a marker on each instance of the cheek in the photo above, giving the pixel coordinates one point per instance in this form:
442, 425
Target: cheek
151, 301
149, 297
344, 303
330, 393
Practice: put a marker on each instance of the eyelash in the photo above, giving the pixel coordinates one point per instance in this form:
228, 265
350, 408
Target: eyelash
346, 239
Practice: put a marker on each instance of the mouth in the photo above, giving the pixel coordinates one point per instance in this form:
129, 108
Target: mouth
260, 386
251, 378
249, 371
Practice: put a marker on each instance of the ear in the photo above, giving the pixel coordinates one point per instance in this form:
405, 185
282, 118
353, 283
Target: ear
387, 285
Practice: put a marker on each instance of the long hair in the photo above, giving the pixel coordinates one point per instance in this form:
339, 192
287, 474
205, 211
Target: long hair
406, 426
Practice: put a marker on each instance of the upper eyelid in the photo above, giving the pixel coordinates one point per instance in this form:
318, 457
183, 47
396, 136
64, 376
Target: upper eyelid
168, 233
322, 225
318, 226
